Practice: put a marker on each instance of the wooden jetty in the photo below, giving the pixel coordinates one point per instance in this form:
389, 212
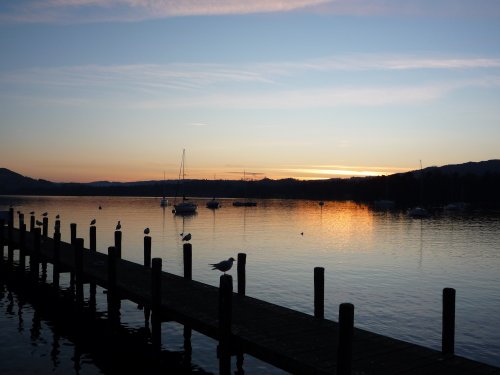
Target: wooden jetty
293, 341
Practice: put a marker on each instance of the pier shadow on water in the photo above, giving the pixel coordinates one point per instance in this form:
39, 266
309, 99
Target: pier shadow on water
48, 332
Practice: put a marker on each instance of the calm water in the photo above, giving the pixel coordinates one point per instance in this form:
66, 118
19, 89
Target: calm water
391, 267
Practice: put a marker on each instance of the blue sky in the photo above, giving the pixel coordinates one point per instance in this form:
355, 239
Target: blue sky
115, 89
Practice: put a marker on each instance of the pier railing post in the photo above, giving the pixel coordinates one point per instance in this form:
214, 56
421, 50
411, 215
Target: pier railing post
346, 330
10, 237
79, 269
92, 238
187, 253
118, 244
319, 292
22, 247
112, 297
32, 222
21, 219
57, 226
448, 335
225, 318
72, 227
2, 241
156, 302
56, 260
147, 251
241, 272
45, 227
35, 254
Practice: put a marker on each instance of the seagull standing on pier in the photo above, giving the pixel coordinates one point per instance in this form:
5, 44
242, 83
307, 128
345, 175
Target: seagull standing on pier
146, 231
118, 226
45, 214
223, 266
187, 237
32, 212
93, 222
57, 216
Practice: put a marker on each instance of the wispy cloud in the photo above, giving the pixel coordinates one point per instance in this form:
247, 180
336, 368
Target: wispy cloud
75, 11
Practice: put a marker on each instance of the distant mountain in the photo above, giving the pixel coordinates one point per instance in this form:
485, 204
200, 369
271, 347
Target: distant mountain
474, 168
11, 181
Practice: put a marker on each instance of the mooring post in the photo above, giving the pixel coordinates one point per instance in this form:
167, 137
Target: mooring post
10, 236
448, 339
79, 269
92, 238
118, 244
56, 261
113, 300
241, 272
32, 222
57, 226
72, 227
188, 261
22, 247
21, 219
45, 227
156, 302
346, 330
225, 317
111, 269
35, 254
319, 292
147, 251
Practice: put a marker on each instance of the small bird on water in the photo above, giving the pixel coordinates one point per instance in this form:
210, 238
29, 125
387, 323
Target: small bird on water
118, 226
93, 222
187, 237
223, 266
146, 231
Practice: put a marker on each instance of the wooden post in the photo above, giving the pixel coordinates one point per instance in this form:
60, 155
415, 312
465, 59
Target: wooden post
346, 330
118, 244
147, 251
56, 261
111, 269
93, 238
241, 272
35, 254
10, 236
32, 222
22, 247
319, 292
147, 264
11, 216
73, 233
78, 249
57, 226
225, 317
448, 335
156, 302
21, 219
113, 300
45, 227
188, 261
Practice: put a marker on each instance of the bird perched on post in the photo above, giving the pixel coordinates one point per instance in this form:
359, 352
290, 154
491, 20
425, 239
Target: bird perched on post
93, 222
58, 216
223, 266
45, 214
39, 223
32, 212
146, 231
118, 226
187, 237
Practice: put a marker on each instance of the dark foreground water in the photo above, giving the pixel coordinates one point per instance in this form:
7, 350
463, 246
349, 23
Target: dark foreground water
391, 267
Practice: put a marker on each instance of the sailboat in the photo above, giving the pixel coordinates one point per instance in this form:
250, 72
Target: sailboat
213, 204
419, 212
163, 200
245, 203
184, 207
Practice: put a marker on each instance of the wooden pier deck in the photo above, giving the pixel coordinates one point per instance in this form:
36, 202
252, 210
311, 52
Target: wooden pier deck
293, 341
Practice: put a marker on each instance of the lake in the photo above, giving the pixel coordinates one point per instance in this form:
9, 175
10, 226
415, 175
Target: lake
391, 267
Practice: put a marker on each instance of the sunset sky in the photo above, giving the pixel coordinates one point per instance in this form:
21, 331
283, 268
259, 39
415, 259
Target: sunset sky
115, 89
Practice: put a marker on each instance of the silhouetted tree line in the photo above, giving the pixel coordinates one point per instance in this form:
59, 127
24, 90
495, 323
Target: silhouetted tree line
429, 188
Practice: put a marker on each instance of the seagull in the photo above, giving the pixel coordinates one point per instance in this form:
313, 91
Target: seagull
146, 231
45, 214
301, 233
32, 212
100, 207
181, 234
187, 237
118, 226
223, 266
39, 223
57, 216
93, 222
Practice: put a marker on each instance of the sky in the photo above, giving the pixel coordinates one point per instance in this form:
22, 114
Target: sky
115, 89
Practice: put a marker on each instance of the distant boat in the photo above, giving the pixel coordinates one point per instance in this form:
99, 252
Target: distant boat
163, 200
245, 203
418, 212
184, 207
213, 204
456, 206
